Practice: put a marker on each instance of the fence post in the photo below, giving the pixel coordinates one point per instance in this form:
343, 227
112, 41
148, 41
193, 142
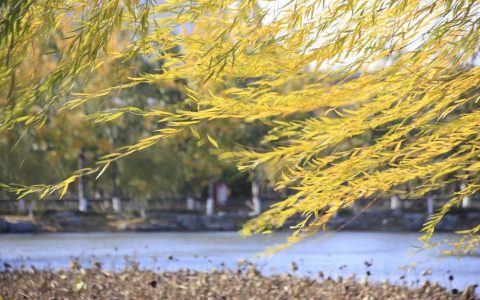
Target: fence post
190, 199
257, 204
430, 203
21, 206
82, 199
116, 202
210, 207
466, 201
31, 209
395, 203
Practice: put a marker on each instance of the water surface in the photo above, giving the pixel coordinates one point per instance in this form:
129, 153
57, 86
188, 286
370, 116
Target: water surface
334, 254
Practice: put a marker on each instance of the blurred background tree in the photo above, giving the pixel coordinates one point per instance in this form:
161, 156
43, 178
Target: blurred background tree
158, 173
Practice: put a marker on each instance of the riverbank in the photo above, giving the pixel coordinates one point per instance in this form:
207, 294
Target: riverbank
244, 283
372, 220
379, 255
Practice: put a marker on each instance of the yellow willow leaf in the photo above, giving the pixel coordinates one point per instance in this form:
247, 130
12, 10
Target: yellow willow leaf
111, 155
25, 193
195, 133
397, 147
473, 167
158, 113
183, 123
22, 119
103, 170
109, 117
66, 183
212, 141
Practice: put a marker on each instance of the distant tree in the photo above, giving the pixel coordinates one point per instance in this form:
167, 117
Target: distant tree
53, 148
400, 74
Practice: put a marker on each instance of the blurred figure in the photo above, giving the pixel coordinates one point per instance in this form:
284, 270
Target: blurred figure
222, 191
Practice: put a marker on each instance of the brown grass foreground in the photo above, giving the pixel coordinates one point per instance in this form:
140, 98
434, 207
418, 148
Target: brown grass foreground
245, 283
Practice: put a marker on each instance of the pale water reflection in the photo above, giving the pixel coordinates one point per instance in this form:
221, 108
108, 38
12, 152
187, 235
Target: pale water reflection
339, 254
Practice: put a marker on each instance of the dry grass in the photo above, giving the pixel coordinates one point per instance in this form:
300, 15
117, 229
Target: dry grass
244, 283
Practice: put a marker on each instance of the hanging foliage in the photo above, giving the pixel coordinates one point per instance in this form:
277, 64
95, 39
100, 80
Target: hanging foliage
388, 96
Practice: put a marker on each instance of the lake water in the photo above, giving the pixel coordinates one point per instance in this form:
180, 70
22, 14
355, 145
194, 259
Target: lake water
335, 254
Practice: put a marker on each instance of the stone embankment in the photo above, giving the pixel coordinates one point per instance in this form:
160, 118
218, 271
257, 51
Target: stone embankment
18, 226
373, 220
